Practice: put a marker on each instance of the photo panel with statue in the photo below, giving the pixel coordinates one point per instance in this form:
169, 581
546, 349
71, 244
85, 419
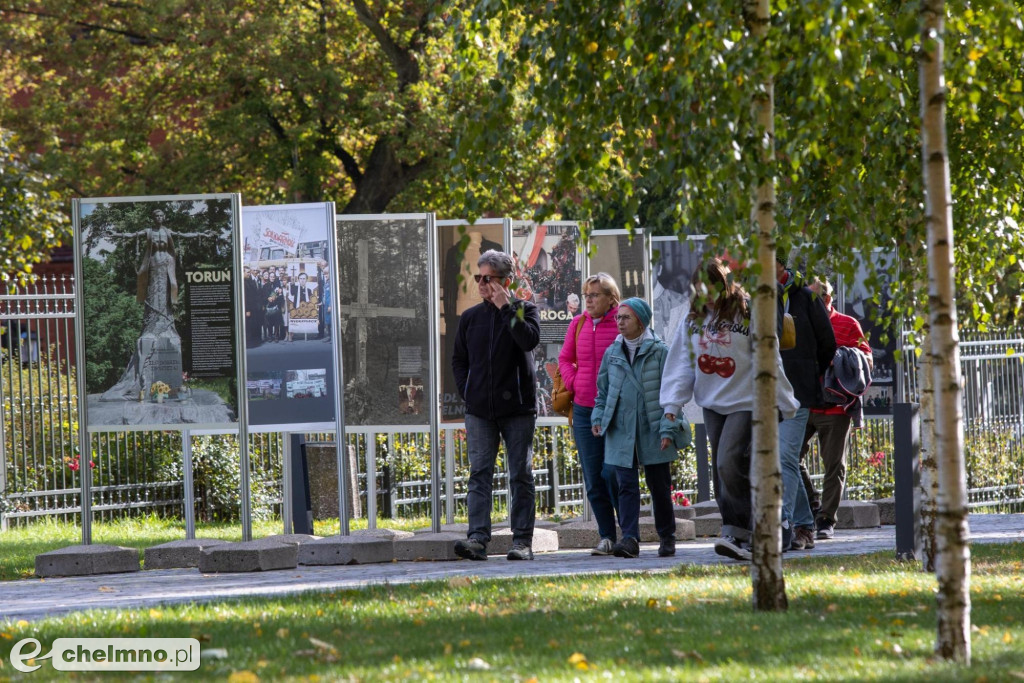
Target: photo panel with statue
288, 258
459, 247
385, 291
868, 300
549, 272
673, 262
160, 323
622, 256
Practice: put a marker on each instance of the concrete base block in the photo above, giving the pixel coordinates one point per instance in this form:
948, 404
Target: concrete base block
544, 541
685, 530
427, 546
251, 556
857, 514
85, 560
708, 525
293, 539
886, 510
390, 534
456, 528
578, 535
347, 550
708, 507
680, 512
539, 524
177, 554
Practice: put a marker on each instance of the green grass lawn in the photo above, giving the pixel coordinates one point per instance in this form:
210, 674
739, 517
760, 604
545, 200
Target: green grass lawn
20, 545
850, 618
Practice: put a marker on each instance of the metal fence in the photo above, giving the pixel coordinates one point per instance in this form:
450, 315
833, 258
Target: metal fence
141, 472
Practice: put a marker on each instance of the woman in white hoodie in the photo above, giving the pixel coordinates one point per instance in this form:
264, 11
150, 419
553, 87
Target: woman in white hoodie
711, 362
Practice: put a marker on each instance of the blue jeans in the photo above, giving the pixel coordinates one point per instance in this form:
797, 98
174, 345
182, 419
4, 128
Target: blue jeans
659, 483
795, 506
598, 478
482, 439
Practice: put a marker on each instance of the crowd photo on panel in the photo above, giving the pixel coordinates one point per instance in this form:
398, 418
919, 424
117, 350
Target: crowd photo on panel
631, 389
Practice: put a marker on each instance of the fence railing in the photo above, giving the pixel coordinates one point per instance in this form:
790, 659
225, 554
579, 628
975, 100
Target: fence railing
141, 472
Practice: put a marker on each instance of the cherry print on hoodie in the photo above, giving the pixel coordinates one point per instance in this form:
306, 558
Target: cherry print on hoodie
712, 340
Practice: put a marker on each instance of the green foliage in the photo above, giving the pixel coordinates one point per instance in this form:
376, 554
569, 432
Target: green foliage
217, 480
355, 102
31, 220
651, 124
114, 323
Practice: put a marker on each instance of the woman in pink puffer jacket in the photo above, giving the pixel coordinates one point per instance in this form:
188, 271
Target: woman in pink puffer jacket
578, 363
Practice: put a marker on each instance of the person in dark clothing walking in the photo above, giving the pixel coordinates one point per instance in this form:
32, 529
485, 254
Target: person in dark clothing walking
494, 371
805, 365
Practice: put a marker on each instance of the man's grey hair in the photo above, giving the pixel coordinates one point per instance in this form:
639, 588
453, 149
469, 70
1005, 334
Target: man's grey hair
500, 262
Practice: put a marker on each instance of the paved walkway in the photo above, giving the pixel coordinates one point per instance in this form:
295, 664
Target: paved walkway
32, 599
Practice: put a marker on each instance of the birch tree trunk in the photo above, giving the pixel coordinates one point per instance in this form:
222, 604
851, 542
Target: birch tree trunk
953, 560
928, 484
769, 584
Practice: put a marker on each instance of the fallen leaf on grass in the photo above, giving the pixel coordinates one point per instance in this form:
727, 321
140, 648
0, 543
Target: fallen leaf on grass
460, 582
243, 677
477, 664
1007, 637
321, 645
692, 654
579, 660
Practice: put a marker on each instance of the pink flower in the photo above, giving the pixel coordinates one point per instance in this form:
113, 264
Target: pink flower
877, 460
679, 498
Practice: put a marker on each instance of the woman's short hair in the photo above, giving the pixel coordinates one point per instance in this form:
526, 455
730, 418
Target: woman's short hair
606, 283
500, 262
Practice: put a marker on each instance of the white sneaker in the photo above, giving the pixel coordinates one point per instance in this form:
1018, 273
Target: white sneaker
603, 548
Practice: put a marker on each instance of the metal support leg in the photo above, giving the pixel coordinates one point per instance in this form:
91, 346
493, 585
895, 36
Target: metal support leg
188, 477
906, 449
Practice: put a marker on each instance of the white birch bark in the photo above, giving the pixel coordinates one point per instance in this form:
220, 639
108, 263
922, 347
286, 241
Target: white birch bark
953, 560
928, 483
769, 585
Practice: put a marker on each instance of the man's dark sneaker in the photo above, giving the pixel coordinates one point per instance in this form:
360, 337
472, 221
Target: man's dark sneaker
806, 537
667, 547
627, 547
471, 549
826, 530
797, 542
728, 546
520, 551
605, 547
787, 535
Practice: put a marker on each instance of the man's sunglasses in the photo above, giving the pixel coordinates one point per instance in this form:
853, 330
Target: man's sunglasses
487, 279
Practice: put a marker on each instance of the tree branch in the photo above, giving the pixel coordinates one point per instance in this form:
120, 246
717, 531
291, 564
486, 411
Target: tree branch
135, 38
405, 66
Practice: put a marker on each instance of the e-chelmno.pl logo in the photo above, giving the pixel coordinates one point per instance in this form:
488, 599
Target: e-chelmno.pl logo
109, 654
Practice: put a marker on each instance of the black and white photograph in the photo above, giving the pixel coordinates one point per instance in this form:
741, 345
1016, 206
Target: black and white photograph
160, 320
869, 303
287, 267
622, 256
385, 314
305, 384
460, 246
410, 396
673, 261
264, 386
549, 272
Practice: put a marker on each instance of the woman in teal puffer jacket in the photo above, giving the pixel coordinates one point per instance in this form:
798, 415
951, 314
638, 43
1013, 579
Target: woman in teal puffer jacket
629, 415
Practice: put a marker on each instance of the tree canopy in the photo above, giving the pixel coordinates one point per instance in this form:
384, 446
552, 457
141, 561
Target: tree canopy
351, 101
31, 218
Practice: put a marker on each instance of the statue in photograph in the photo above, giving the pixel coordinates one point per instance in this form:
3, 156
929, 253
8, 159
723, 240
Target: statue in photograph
157, 354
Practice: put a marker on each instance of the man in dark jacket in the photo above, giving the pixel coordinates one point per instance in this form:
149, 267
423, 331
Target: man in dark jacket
805, 365
494, 371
